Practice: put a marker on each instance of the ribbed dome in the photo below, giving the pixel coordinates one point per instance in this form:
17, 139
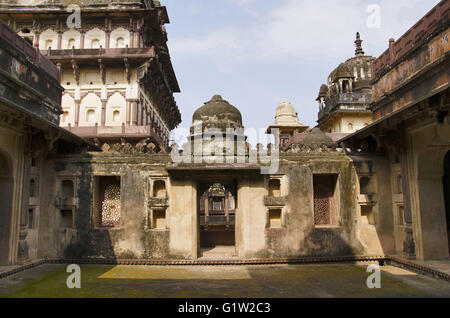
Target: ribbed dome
219, 110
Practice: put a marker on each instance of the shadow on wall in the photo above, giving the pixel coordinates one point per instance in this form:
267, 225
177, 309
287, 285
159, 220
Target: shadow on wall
6, 198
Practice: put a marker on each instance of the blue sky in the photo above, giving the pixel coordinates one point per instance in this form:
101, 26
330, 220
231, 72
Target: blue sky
258, 53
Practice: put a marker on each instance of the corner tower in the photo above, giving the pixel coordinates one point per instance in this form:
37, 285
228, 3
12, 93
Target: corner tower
344, 100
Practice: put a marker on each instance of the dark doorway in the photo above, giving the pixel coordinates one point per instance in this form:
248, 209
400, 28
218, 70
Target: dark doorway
217, 211
446, 184
6, 194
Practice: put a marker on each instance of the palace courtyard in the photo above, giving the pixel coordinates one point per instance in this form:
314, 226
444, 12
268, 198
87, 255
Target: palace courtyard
256, 281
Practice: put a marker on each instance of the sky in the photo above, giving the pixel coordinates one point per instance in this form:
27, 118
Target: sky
258, 53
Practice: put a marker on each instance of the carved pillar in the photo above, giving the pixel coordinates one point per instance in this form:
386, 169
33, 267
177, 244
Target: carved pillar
134, 112
77, 112
108, 38
227, 214
82, 39
59, 46
36, 39
103, 112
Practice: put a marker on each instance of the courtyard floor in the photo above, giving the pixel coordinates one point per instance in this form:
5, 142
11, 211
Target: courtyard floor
286, 281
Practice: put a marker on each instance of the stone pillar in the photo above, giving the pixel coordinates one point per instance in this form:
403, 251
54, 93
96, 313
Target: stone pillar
77, 112
134, 112
22, 254
83, 34
108, 38
227, 214
59, 46
409, 246
206, 209
103, 113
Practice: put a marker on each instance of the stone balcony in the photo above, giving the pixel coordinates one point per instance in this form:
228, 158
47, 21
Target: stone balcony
346, 102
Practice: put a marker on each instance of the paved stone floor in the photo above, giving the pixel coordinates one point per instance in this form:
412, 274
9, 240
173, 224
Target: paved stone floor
285, 281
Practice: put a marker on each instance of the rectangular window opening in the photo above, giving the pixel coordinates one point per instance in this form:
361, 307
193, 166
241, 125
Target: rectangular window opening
107, 201
66, 219
159, 219
275, 218
324, 187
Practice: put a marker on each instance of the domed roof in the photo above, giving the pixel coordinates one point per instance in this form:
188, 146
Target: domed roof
218, 109
342, 71
286, 115
317, 137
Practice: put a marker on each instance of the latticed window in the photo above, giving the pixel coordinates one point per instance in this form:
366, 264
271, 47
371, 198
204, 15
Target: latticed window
324, 205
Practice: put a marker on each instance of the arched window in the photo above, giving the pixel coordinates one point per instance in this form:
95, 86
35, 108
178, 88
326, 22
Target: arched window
48, 44
71, 43
116, 116
90, 116
95, 44
350, 126
65, 117
120, 42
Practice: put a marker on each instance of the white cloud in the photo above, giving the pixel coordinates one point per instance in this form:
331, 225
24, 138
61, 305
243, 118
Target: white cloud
304, 30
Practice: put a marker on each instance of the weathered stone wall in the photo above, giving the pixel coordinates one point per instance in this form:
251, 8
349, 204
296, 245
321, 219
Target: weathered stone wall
135, 237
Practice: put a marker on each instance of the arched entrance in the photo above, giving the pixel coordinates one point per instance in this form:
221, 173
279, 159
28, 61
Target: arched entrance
446, 184
6, 196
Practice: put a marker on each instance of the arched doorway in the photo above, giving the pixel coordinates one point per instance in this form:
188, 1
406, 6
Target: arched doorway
6, 195
446, 184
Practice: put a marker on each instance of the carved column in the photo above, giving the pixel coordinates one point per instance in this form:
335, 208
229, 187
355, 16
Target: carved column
134, 112
108, 38
227, 213
77, 112
59, 46
103, 112
82, 39
206, 209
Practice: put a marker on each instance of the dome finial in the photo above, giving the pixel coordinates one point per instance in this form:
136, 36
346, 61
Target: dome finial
359, 50
216, 98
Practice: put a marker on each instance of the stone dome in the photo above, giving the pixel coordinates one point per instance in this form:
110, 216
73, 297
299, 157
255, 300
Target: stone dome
286, 115
317, 137
219, 112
